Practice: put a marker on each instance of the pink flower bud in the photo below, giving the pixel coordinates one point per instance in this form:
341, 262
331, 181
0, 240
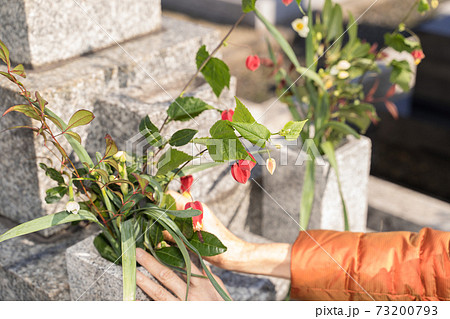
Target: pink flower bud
252, 63
227, 115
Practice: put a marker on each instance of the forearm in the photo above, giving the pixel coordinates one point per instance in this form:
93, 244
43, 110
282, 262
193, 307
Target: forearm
262, 259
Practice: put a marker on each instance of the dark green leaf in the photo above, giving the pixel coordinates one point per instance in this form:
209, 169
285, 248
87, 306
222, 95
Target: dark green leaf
105, 250
211, 245
170, 160
215, 71
335, 29
52, 173
150, 132
171, 256
185, 225
155, 233
182, 137
186, 108
55, 194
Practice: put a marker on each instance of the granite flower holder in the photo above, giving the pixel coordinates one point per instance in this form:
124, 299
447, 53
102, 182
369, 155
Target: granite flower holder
282, 191
92, 278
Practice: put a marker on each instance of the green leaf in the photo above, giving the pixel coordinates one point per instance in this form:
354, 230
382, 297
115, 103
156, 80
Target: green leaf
326, 12
401, 74
186, 108
155, 233
338, 126
40, 100
128, 260
211, 245
76, 146
150, 132
52, 173
242, 114
170, 160
328, 150
215, 71
248, 5
225, 145
182, 137
28, 110
55, 194
292, 130
105, 250
307, 197
111, 148
19, 70
79, 118
399, 43
47, 222
186, 227
191, 169
171, 256
255, 133
76, 136
423, 6
4, 54
335, 29
188, 213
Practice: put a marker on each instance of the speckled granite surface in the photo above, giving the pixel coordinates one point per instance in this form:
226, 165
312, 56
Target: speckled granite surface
46, 31
33, 267
167, 56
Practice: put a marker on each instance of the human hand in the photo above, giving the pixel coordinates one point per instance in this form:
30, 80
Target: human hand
200, 288
235, 246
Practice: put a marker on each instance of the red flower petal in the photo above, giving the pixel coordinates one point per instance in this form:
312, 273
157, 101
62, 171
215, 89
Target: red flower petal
287, 2
227, 115
252, 63
186, 183
197, 221
240, 174
418, 54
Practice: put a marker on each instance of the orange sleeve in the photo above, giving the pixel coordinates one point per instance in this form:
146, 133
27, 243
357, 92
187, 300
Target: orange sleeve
332, 265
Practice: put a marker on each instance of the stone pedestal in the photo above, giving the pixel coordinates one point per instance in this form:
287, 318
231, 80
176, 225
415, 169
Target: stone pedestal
280, 212
93, 278
168, 57
40, 32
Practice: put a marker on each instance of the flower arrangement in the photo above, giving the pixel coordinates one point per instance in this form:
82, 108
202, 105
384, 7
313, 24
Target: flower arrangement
330, 90
116, 191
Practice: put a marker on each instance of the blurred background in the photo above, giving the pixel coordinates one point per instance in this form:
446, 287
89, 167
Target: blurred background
409, 185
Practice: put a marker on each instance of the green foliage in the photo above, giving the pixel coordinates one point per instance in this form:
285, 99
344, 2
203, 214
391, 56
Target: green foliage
150, 132
248, 5
79, 118
399, 43
401, 74
423, 6
182, 137
171, 256
4, 54
170, 160
215, 71
210, 245
186, 108
225, 145
291, 131
128, 241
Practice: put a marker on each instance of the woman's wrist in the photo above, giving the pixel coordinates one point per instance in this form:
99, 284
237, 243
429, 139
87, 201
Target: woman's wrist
261, 259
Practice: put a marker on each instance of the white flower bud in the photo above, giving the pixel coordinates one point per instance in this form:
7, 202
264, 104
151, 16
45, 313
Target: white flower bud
73, 207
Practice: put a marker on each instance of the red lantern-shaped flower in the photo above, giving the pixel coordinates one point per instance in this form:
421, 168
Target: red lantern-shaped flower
197, 221
186, 183
242, 170
252, 63
227, 115
287, 2
418, 56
